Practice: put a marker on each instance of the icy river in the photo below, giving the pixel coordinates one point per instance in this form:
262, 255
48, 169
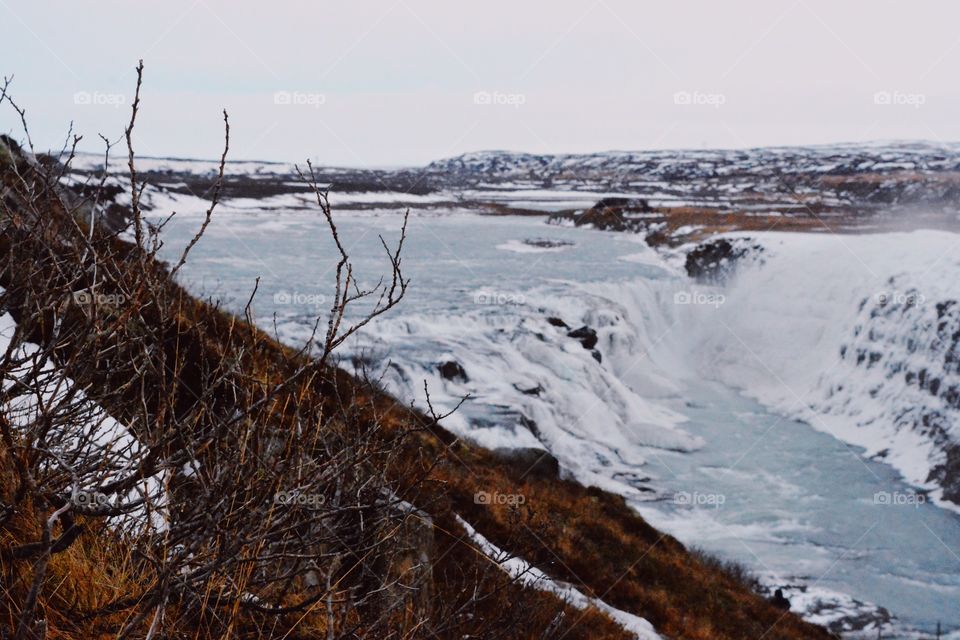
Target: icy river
697, 403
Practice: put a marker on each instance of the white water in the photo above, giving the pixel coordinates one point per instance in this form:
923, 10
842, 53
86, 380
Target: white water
661, 416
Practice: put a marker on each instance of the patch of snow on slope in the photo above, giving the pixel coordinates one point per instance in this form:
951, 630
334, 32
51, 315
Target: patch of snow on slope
533, 577
92, 433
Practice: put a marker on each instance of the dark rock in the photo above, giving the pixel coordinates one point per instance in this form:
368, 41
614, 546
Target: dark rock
530, 462
586, 336
952, 396
943, 307
714, 260
610, 214
779, 601
596, 355
947, 473
631, 204
532, 391
557, 322
547, 243
531, 426
452, 370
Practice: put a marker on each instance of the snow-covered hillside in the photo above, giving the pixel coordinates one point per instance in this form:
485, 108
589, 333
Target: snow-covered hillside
857, 335
674, 164
830, 180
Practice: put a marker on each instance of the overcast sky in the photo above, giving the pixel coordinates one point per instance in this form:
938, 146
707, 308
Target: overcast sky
394, 82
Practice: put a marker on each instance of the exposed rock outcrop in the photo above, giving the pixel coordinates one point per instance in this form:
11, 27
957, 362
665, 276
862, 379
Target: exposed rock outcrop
453, 370
714, 261
586, 335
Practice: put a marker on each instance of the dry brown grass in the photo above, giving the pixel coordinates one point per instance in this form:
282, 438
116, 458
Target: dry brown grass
594, 540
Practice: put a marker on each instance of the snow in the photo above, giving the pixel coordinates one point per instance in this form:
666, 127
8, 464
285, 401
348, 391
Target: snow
791, 330
833, 610
686, 230
95, 434
599, 427
642, 257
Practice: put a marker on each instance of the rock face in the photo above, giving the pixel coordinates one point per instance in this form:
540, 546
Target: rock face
453, 370
623, 204
714, 261
611, 214
947, 474
530, 391
779, 601
586, 335
911, 347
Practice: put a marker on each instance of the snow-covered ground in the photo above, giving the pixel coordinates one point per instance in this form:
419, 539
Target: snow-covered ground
840, 180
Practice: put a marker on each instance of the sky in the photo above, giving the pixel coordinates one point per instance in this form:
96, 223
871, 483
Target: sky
404, 82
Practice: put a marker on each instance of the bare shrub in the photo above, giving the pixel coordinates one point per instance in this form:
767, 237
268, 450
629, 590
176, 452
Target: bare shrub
247, 498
